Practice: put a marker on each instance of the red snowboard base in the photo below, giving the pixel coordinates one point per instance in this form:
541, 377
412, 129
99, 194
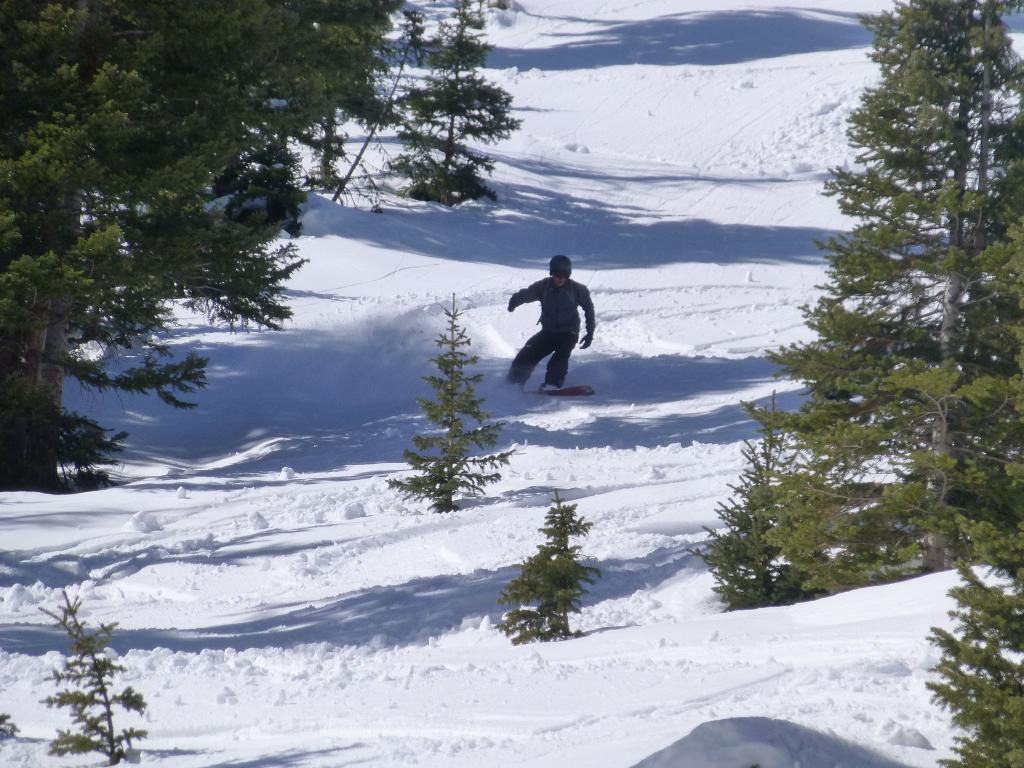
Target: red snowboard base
574, 391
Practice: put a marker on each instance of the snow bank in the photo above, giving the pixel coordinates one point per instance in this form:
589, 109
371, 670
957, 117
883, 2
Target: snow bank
764, 743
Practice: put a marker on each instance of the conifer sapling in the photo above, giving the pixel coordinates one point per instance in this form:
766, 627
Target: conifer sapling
89, 674
748, 569
453, 111
444, 468
550, 583
7, 728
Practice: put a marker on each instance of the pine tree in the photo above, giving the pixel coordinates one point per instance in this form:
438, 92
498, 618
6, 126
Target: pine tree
90, 696
262, 186
7, 728
340, 52
907, 426
406, 52
550, 583
117, 119
454, 106
445, 468
982, 671
748, 569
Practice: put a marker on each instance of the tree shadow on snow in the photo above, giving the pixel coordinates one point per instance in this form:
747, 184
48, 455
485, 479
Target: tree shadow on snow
404, 614
535, 220
703, 39
624, 237
320, 401
63, 570
292, 757
624, 385
311, 400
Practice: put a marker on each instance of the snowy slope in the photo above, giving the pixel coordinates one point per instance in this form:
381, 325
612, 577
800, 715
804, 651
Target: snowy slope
279, 605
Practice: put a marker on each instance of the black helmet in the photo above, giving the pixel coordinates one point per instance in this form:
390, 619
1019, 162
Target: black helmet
560, 266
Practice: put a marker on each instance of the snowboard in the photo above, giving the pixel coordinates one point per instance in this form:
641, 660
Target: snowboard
572, 391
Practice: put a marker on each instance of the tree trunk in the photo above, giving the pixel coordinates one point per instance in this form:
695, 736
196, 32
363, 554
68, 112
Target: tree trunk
980, 239
936, 551
54, 350
328, 153
29, 437
936, 556
449, 161
372, 133
32, 395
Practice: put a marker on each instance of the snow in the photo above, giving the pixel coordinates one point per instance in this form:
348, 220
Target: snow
278, 604
763, 742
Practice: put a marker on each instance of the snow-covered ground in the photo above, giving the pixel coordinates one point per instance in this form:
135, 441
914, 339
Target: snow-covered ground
279, 605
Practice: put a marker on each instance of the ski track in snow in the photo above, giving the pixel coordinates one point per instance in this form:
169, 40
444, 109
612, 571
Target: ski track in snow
279, 605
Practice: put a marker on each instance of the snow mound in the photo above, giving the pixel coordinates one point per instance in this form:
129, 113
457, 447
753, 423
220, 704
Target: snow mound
20, 597
905, 736
764, 742
354, 510
143, 522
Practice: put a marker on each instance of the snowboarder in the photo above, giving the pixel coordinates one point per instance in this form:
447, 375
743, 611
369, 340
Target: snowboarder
560, 300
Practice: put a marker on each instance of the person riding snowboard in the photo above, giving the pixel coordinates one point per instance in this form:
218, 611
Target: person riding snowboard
560, 298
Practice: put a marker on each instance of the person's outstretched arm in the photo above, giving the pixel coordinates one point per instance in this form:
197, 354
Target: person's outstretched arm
588, 315
526, 295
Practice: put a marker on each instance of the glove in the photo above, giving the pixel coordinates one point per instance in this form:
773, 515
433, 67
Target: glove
512, 304
587, 341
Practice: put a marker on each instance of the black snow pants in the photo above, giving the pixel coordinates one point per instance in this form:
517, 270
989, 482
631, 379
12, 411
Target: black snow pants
538, 347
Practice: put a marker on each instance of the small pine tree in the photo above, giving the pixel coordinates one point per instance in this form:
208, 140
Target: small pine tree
551, 581
746, 564
445, 468
982, 670
90, 696
7, 728
455, 105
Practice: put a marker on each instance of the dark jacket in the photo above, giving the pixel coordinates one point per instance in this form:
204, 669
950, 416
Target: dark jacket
558, 306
